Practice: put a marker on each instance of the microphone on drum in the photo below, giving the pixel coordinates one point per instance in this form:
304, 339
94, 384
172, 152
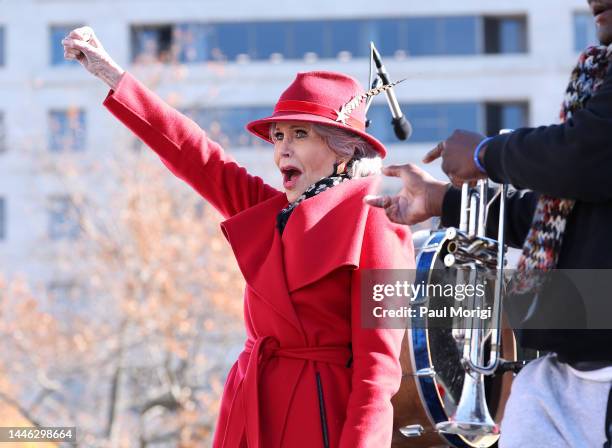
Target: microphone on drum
401, 126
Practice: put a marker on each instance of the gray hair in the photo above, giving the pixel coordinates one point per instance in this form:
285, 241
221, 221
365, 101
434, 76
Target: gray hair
348, 145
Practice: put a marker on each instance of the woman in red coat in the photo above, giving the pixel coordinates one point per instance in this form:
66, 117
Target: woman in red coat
309, 375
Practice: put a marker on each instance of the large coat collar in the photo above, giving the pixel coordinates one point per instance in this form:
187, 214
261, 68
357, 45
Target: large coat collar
323, 233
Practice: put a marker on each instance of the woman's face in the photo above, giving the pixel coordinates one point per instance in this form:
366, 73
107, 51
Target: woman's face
302, 156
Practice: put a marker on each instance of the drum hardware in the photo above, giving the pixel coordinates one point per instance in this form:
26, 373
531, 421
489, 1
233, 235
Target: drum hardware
412, 430
427, 372
459, 335
510, 366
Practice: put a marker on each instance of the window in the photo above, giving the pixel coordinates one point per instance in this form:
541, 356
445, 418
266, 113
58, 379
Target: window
63, 218
62, 293
311, 38
230, 40
2, 133
271, 38
151, 43
353, 37
585, 33
430, 122
67, 130
66, 301
436, 121
505, 35
2, 43
227, 125
434, 36
2, 218
56, 34
343, 39
190, 42
506, 116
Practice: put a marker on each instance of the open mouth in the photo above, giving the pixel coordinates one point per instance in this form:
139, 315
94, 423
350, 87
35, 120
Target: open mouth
290, 176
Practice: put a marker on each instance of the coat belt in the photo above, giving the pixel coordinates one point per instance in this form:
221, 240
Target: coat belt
260, 351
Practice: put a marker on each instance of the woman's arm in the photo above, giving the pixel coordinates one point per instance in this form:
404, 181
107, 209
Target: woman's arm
182, 146
185, 149
377, 371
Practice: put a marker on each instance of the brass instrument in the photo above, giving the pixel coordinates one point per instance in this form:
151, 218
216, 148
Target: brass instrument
454, 389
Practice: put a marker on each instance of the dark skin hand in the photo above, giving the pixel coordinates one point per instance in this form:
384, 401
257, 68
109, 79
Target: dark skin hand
422, 195
420, 198
457, 153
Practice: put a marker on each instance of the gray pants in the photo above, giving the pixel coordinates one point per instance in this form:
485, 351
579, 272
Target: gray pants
551, 406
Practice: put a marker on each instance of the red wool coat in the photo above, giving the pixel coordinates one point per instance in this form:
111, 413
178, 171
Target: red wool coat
295, 384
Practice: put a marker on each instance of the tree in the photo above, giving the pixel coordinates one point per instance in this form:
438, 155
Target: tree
133, 340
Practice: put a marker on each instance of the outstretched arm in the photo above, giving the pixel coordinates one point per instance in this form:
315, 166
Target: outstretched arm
182, 146
185, 149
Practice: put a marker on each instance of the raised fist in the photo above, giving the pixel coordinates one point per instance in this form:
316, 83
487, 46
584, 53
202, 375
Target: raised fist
81, 44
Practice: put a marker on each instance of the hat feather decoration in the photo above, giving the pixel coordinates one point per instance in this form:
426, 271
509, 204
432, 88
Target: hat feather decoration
349, 107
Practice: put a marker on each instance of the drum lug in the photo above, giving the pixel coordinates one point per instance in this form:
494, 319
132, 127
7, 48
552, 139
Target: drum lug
451, 233
412, 430
426, 372
449, 260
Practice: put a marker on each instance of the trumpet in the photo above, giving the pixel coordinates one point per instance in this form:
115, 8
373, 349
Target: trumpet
457, 371
469, 249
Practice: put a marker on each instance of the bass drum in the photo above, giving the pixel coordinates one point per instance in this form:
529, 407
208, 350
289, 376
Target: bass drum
433, 376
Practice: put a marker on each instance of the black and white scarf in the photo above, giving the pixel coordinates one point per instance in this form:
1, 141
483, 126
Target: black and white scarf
318, 187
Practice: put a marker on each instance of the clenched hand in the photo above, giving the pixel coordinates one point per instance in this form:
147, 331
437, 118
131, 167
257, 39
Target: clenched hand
81, 44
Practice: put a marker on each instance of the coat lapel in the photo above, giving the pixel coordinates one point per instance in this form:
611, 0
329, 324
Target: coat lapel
325, 232
257, 246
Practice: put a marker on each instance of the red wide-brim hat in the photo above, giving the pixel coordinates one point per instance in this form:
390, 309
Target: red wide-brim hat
319, 97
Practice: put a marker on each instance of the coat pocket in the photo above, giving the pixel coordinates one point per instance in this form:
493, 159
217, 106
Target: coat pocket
322, 413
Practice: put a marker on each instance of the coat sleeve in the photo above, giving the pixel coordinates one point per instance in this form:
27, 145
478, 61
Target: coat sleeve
571, 160
520, 207
185, 149
377, 371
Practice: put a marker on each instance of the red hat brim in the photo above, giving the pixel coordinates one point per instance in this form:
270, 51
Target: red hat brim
261, 128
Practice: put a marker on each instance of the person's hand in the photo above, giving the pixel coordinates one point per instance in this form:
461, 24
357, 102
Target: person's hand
457, 154
420, 198
82, 45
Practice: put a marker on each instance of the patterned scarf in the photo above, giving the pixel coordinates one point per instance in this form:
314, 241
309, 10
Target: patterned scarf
316, 188
543, 242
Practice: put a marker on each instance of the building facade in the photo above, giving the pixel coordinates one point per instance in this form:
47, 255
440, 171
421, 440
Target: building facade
473, 64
